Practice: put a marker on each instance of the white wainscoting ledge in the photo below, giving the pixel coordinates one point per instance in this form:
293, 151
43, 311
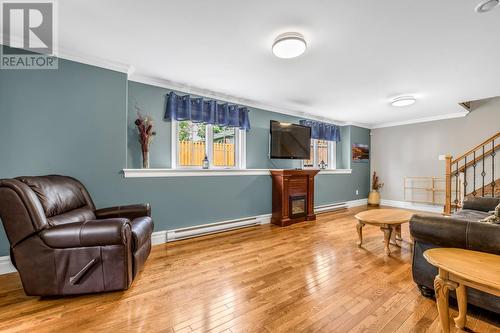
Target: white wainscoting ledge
335, 171
151, 173
413, 206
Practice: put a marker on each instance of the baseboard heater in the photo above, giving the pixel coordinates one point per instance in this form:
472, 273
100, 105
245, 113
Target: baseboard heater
212, 228
331, 207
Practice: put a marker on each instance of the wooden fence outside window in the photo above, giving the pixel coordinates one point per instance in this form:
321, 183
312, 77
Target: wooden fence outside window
192, 154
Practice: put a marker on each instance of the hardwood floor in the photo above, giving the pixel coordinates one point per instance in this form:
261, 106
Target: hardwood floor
308, 277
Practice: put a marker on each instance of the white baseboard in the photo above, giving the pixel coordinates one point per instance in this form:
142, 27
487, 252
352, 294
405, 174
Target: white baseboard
331, 207
164, 236
340, 205
6, 266
356, 203
414, 206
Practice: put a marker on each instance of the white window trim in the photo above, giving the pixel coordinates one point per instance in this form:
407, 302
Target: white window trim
332, 156
240, 153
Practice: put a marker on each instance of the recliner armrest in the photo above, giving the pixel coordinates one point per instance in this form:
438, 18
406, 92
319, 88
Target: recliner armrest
130, 211
439, 230
89, 233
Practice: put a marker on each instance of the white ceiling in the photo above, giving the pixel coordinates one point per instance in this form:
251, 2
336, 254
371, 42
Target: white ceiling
360, 53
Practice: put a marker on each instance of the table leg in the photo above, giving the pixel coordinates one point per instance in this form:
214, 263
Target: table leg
359, 228
442, 287
398, 233
387, 230
462, 306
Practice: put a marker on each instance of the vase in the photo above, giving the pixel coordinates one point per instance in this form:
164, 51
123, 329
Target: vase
374, 198
145, 159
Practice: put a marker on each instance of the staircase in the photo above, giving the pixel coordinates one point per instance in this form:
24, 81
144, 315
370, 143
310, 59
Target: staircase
488, 189
473, 174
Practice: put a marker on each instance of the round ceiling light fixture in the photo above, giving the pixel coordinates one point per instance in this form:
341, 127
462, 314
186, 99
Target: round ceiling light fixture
289, 45
403, 101
486, 6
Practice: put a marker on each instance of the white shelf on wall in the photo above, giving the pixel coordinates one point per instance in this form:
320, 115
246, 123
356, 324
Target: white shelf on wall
151, 173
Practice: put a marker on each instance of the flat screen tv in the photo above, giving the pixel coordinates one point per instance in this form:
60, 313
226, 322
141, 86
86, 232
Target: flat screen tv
290, 141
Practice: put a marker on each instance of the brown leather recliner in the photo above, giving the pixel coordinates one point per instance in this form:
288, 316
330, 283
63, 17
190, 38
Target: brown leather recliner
61, 245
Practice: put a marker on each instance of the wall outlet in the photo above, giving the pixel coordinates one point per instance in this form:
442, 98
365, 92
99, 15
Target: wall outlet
357, 192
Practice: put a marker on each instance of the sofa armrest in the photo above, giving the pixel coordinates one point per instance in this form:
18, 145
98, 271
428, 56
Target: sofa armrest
130, 212
449, 232
89, 233
483, 204
439, 230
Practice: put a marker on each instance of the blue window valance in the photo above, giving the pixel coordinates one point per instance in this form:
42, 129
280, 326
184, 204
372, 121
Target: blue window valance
207, 111
322, 131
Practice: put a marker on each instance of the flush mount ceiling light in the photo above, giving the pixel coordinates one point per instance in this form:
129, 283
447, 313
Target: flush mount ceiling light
289, 45
403, 101
486, 6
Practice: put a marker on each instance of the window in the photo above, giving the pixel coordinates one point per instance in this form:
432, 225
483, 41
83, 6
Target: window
223, 146
322, 153
191, 142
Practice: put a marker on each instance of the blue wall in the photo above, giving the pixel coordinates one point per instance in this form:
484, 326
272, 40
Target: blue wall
75, 121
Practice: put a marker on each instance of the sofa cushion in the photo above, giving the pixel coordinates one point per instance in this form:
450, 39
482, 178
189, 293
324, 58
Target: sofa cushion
470, 215
57, 194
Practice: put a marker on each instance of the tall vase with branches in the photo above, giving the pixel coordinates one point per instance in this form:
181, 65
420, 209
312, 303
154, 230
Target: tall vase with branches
374, 195
145, 128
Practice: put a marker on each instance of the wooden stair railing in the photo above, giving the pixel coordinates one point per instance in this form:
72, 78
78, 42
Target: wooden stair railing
489, 190
471, 161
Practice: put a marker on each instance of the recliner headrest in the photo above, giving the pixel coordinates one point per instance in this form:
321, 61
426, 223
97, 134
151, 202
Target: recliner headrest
57, 194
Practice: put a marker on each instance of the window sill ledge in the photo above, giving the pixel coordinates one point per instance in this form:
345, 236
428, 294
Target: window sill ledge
158, 173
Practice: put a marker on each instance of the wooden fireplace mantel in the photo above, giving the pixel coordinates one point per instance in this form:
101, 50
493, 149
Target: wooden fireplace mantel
292, 185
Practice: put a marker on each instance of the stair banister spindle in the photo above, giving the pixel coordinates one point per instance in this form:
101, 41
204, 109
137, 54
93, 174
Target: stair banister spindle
493, 183
474, 174
456, 185
483, 174
465, 175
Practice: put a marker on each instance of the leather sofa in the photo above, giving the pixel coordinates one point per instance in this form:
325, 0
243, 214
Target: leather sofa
461, 230
61, 245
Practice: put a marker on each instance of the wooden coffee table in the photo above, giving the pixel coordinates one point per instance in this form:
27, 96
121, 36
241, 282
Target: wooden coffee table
388, 220
459, 269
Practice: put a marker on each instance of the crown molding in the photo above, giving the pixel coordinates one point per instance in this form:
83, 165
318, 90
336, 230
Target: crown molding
358, 124
97, 62
67, 54
421, 120
188, 89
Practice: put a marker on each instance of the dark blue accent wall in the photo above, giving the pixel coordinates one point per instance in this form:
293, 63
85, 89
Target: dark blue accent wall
77, 121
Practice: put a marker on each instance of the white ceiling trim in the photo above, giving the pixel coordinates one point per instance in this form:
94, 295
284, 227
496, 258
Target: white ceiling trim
97, 62
184, 88
84, 59
422, 120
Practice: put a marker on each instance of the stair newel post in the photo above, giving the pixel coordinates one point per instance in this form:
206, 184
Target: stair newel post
447, 202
